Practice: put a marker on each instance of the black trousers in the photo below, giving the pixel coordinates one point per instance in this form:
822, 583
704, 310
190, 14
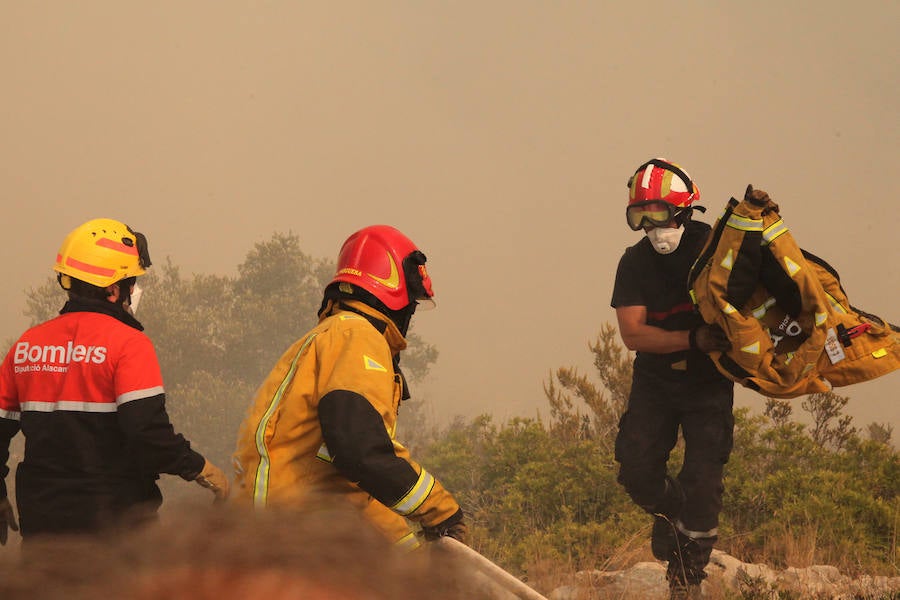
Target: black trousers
690, 503
63, 504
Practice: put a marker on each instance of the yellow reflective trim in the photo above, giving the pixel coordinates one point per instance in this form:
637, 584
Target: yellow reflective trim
728, 309
261, 482
773, 231
728, 261
324, 454
835, 304
791, 266
760, 311
408, 542
790, 357
821, 318
417, 494
751, 349
693, 295
880, 353
371, 364
744, 224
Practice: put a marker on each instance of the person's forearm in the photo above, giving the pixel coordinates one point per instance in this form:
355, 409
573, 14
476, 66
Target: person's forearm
647, 338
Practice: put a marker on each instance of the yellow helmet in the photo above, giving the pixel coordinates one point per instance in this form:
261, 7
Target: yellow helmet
102, 252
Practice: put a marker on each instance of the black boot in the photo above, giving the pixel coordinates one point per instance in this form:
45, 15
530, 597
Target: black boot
663, 538
685, 591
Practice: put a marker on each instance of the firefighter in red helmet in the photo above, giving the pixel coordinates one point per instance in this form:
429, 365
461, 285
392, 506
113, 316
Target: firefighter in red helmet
322, 424
675, 384
85, 389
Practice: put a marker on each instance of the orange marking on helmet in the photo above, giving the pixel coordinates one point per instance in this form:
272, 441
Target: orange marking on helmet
81, 266
119, 246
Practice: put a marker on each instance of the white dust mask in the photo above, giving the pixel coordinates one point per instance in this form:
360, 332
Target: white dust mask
665, 240
136, 294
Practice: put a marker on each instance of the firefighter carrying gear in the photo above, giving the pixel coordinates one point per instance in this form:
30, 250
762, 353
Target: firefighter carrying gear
7, 520
674, 390
792, 327
323, 424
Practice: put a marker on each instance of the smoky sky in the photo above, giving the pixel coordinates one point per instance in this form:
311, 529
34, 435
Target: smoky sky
497, 135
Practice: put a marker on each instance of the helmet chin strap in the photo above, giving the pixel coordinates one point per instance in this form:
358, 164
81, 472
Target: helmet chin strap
124, 298
403, 317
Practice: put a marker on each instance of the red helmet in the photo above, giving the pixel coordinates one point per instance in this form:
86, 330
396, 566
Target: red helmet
659, 179
387, 264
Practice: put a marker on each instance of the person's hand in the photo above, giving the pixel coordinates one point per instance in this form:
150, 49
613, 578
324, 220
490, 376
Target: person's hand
214, 479
7, 520
453, 527
709, 338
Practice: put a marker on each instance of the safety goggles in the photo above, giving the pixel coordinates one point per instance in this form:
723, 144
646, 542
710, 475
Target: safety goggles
651, 213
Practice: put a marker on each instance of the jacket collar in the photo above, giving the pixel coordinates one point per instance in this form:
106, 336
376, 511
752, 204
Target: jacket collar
103, 307
383, 324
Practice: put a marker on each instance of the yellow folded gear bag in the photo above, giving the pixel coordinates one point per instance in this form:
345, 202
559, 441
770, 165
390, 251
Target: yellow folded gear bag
792, 327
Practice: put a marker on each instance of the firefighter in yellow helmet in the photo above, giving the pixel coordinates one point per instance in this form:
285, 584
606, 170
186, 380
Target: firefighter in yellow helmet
85, 389
322, 424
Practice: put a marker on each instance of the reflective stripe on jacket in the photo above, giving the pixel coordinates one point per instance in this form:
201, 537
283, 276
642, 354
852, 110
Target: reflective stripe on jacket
792, 328
323, 424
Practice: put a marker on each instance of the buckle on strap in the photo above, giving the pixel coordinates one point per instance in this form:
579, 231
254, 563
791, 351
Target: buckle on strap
846, 335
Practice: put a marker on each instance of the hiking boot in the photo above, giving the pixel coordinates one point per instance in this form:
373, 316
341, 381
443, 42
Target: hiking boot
663, 538
682, 591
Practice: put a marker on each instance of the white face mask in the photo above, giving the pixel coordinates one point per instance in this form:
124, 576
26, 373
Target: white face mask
136, 293
665, 240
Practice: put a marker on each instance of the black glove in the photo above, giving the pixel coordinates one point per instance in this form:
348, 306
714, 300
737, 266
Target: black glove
709, 338
453, 527
7, 520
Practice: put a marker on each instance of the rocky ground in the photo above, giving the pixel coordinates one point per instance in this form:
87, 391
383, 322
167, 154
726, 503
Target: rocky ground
731, 578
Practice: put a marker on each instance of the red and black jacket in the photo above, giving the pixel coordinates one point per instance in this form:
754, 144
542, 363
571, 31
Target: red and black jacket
85, 389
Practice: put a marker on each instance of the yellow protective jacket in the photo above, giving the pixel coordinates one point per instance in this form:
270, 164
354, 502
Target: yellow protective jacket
792, 328
322, 426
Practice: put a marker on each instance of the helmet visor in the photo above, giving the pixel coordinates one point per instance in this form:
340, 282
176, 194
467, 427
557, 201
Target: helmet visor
652, 213
143, 251
418, 281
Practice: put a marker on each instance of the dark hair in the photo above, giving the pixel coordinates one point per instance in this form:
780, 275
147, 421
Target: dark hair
82, 289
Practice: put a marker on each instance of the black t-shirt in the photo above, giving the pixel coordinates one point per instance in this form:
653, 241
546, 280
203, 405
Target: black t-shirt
659, 282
